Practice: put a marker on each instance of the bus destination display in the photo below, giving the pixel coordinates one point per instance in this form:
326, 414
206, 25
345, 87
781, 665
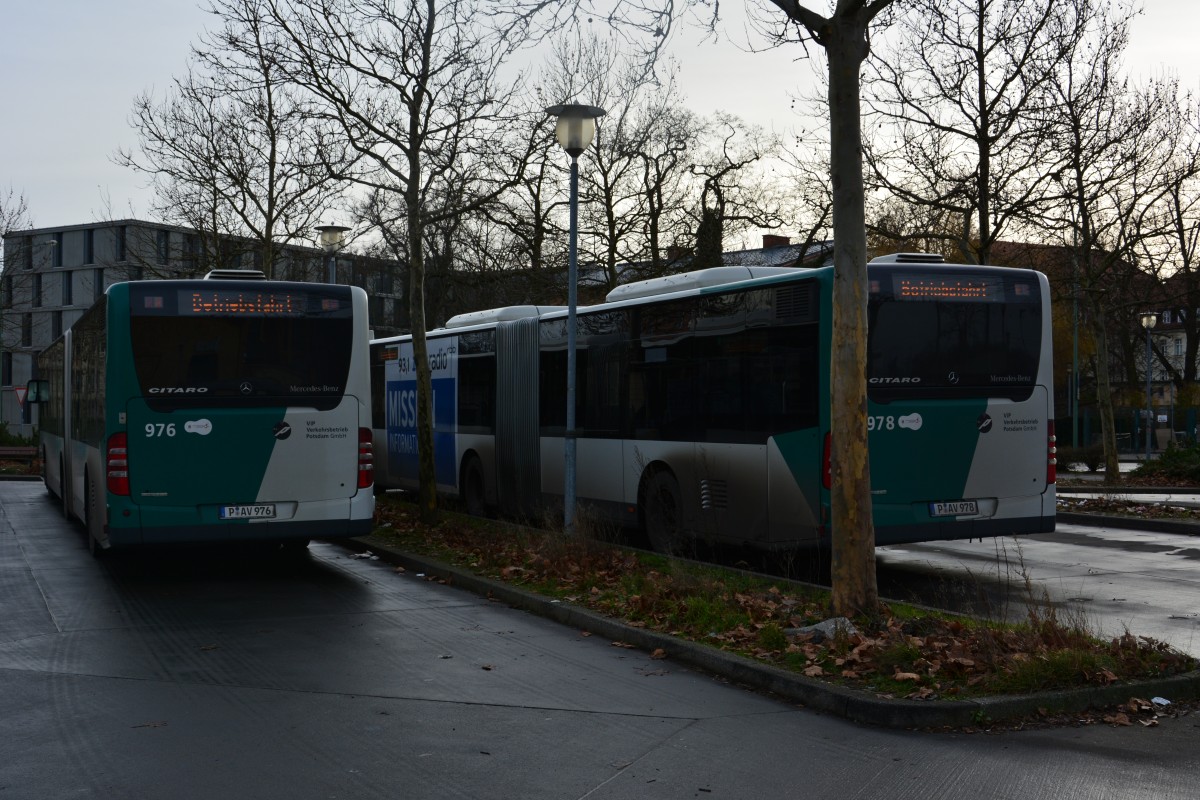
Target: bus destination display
932, 286
235, 302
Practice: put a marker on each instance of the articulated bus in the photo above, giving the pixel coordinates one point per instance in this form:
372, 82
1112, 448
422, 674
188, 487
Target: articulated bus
703, 405
211, 410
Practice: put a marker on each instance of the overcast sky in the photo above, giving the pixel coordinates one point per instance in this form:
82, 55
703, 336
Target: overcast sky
73, 67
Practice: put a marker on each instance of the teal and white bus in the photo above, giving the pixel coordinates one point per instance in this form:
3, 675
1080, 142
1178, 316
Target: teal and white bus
211, 410
703, 405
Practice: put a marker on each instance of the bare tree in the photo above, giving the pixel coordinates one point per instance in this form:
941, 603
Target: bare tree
415, 90
233, 150
14, 216
14, 213
734, 193
1110, 152
1169, 236
958, 107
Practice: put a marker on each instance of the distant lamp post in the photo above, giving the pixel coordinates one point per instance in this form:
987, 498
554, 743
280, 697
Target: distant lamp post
574, 131
1149, 320
332, 238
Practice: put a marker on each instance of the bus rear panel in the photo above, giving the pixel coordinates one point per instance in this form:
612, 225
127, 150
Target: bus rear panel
223, 410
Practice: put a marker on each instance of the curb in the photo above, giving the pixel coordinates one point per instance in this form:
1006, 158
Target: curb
1138, 523
852, 704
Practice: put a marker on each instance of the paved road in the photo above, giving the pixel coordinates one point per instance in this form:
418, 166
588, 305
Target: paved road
1144, 582
222, 675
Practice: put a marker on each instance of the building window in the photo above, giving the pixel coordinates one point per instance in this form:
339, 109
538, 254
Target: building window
191, 249
6, 368
27, 255
55, 325
89, 247
36, 299
163, 246
56, 255
122, 243
98, 284
67, 294
6, 284
1179, 347
26, 330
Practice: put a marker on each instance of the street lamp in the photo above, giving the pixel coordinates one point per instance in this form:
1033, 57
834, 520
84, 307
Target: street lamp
332, 237
1149, 320
574, 131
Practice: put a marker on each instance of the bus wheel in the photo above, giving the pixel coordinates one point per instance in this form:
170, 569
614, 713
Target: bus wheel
60, 496
93, 520
472, 490
663, 513
294, 548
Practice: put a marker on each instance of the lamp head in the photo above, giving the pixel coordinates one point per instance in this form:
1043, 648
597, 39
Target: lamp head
576, 126
331, 237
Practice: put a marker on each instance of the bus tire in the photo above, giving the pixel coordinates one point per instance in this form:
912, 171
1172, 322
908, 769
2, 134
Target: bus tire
474, 496
662, 512
58, 496
93, 520
294, 548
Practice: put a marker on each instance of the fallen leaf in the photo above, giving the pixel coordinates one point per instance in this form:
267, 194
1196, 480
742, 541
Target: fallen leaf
907, 676
625, 645
814, 671
658, 653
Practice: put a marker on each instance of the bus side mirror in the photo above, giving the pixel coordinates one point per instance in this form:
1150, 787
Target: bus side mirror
37, 391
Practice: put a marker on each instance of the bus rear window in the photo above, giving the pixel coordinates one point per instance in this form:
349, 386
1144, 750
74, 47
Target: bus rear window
951, 333
242, 355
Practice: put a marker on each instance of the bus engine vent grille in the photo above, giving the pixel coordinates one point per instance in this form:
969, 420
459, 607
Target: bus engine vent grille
714, 494
794, 303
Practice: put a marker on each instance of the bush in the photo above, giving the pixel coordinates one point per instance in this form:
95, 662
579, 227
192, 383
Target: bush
14, 440
1092, 457
1179, 464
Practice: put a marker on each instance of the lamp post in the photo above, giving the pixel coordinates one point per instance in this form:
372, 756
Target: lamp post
574, 131
1149, 320
332, 237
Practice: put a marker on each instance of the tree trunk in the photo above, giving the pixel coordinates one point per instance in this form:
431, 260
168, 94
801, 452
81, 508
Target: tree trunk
854, 587
426, 470
1108, 426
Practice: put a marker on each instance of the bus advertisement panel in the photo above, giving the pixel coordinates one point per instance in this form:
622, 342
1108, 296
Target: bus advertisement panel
400, 373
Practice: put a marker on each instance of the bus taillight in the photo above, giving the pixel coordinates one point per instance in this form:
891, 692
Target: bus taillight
1051, 455
366, 459
116, 464
827, 464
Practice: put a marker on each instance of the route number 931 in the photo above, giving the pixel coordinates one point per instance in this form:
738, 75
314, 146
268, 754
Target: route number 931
156, 429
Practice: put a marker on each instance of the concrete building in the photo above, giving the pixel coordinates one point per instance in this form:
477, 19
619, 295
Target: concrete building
52, 275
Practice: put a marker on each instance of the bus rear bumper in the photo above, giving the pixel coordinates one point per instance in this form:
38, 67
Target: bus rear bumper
258, 532
962, 529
